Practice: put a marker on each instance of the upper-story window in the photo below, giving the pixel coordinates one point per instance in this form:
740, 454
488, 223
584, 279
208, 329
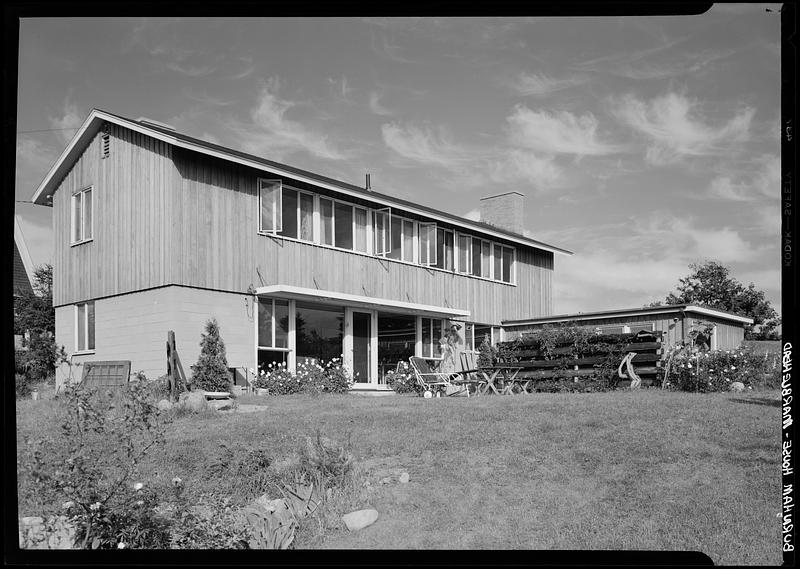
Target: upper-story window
82, 216
306, 216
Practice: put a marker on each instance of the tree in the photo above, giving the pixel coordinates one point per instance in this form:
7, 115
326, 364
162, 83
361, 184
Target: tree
35, 317
211, 369
711, 284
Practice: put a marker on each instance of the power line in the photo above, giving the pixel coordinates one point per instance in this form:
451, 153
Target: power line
46, 130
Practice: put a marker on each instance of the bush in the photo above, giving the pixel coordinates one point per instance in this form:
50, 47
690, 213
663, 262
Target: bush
403, 380
93, 467
311, 377
23, 385
712, 371
210, 373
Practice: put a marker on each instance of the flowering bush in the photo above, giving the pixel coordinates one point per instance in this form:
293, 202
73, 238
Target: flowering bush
311, 377
715, 370
402, 380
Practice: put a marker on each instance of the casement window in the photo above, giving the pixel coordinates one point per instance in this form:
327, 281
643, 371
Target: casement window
444, 249
464, 253
401, 239
503, 263
84, 327
82, 216
476, 257
427, 244
486, 259
271, 208
382, 221
431, 334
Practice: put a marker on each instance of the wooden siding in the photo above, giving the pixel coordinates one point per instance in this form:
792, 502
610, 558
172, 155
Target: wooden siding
215, 223
134, 327
129, 250
729, 334
165, 215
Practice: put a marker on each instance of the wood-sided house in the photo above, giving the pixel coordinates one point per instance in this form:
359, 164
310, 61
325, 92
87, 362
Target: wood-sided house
158, 231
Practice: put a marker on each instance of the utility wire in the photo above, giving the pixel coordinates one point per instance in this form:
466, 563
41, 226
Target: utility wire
46, 130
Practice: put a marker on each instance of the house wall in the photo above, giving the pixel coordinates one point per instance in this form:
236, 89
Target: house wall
130, 249
215, 227
730, 335
165, 215
134, 327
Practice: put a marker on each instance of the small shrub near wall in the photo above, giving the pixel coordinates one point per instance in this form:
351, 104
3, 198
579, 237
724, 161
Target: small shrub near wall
402, 380
716, 370
311, 377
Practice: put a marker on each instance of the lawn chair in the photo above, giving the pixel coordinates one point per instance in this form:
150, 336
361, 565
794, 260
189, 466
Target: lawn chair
470, 373
434, 381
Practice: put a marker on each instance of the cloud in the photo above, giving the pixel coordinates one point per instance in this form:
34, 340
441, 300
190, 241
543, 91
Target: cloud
190, 70
676, 128
534, 84
764, 182
522, 165
560, 132
375, 105
341, 88
205, 98
272, 132
38, 238
473, 214
423, 145
70, 120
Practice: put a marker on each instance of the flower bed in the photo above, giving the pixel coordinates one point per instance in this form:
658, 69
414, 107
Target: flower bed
311, 377
717, 370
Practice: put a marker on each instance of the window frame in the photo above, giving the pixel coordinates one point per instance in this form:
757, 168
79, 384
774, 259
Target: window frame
80, 195
277, 207
273, 325
87, 349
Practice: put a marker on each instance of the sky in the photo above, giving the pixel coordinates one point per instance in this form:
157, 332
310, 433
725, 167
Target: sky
642, 144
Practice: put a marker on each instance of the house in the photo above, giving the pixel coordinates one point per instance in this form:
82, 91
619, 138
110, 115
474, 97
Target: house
717, 329
158, 231
22, 272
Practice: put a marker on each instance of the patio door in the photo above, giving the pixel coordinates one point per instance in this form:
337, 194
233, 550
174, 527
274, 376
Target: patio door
362, 346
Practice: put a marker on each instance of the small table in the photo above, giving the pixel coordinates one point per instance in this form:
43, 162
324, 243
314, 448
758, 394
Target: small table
491, 374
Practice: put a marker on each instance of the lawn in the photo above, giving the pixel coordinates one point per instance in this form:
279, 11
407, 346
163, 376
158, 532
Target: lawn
646, 470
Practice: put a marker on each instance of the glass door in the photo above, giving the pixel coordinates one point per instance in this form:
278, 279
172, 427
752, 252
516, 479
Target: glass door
362, 346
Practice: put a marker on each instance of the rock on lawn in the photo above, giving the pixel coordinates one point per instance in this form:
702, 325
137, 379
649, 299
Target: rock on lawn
360, 519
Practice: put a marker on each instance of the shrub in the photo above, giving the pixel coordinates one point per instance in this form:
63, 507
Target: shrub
211, 370
92, 468
311, 377
711, 371
403, 380
277, 380
22, 385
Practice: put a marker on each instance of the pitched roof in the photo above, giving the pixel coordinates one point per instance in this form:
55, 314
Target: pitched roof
97, 117
23, 266
627, 312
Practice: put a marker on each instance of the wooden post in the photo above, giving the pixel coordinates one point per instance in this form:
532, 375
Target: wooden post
171, 384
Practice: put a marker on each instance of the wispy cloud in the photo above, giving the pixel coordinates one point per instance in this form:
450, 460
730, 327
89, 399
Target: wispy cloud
749, 185
676, 127
153, 36
536, 84
272, 132
560, 132
205, 98
341, 87
386, 49
375, 105
70, 118
523, 165
424, 144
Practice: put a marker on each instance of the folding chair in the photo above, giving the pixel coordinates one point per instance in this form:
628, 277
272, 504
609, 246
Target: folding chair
433, 381
470, 372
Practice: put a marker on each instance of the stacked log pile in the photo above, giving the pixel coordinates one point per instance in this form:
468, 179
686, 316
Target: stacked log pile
597, 355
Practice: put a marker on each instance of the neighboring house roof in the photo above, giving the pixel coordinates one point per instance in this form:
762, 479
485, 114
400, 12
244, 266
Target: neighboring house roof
628, 312
96, 118
23, 266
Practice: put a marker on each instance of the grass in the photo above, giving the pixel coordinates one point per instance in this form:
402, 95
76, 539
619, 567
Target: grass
646, 470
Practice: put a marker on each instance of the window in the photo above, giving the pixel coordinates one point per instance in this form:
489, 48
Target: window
444, 249
306, 217
289, 213
476, 257
486, 259
84, 327
469, 339
431, 334
82, 216
427, 244
269, 195
503, 260
326, 217
464, 253
401, 239
273, 323
343, 225
360, 216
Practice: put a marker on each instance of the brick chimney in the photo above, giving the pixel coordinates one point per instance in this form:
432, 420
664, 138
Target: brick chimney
504, 211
